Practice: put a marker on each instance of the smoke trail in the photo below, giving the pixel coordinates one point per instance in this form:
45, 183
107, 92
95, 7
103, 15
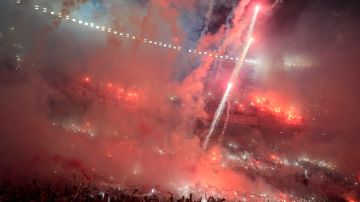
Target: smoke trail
225, 123
237, 21
66, 8
207, 17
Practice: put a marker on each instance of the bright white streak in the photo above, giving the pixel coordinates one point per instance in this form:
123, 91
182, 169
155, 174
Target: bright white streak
239, 64
233, 79
224, 98
249, 40
218, 114
253, 21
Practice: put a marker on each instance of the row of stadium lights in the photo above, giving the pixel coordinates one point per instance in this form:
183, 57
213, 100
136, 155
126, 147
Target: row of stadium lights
296, 65
144, 40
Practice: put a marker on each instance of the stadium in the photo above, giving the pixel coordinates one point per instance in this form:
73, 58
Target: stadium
179, 100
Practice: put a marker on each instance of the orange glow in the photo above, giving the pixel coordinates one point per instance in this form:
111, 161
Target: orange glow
131, 96
215, 155
350, 197
87, 79
283, 197
276, 108
112, 91
241, 107
274, 157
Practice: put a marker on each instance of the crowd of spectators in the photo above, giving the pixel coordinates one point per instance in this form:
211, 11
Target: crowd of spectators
63, 191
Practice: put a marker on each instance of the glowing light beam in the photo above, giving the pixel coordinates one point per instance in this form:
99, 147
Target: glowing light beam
233, 79
218, 114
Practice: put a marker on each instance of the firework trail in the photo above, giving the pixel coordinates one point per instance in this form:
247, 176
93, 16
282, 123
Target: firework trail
253, 21
218, 114
225, 123
249, 40
224, 98
233, 79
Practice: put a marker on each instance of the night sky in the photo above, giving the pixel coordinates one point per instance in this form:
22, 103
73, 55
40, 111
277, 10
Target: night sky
123, 93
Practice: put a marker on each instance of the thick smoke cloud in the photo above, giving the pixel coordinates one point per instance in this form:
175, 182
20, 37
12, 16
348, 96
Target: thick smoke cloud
158, 143
151, 142
326, 34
